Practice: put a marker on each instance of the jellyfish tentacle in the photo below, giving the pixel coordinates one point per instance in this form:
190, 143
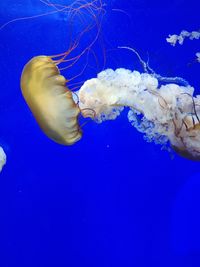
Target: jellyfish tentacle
194, 106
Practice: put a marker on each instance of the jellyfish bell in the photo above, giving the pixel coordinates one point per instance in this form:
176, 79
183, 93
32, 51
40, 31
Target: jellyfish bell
189, 139
50, 101
44, 88
186, 154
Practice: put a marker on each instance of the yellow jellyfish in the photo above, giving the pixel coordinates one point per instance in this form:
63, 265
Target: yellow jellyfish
51, 102
44, 88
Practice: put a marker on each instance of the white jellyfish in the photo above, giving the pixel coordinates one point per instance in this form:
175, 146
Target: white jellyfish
174, 38
165, 113
2, 158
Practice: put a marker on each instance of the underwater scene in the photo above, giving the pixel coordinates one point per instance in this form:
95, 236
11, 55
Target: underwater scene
100, 133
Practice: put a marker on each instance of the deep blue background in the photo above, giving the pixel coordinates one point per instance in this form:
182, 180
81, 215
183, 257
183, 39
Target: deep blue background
111, 199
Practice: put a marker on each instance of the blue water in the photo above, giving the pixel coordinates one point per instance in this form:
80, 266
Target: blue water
111, 199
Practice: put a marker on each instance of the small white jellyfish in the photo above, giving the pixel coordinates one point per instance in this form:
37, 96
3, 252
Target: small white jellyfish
198, 56
2, 158
174, 38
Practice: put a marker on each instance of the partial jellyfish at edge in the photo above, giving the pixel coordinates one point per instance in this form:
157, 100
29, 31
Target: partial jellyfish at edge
2, 158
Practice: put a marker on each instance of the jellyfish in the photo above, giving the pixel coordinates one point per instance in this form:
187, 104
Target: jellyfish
51, 102
2, 158
44, 88
167, 114
175, 38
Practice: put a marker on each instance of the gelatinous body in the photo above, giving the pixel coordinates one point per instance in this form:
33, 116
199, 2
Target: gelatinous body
2, 158
163, 113
45, 92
